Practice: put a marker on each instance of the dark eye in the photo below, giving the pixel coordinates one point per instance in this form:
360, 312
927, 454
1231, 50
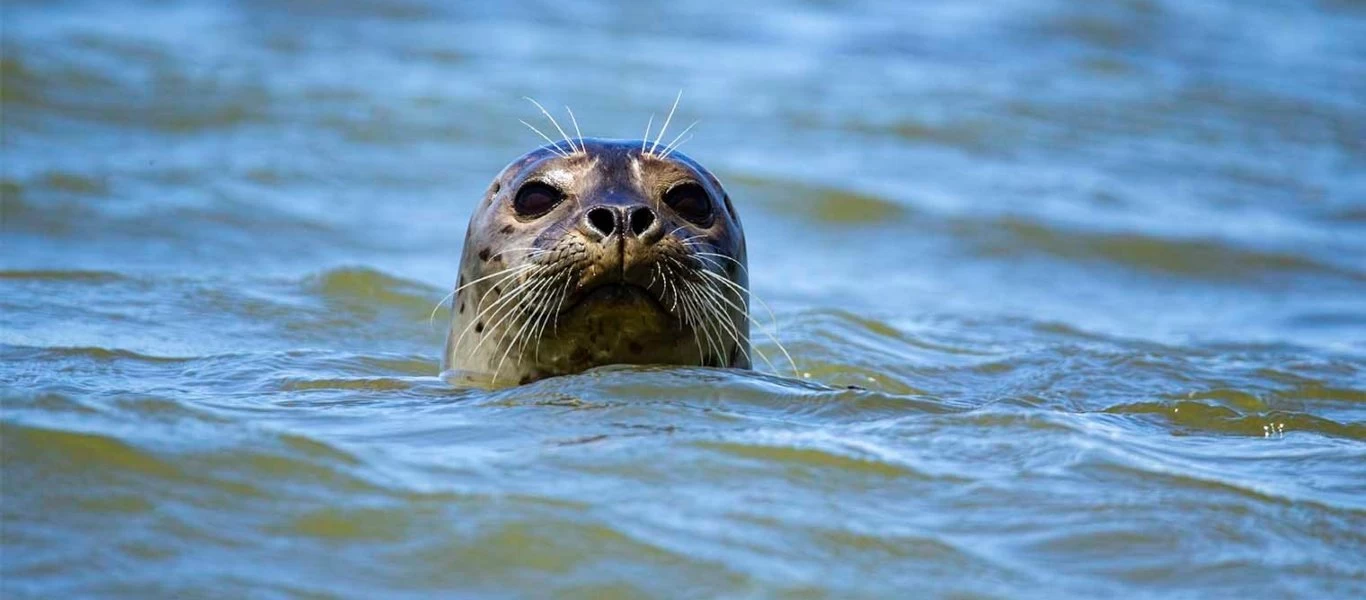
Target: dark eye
536, 199
690, 201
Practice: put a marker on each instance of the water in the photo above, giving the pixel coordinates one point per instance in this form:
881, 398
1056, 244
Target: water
1098, 268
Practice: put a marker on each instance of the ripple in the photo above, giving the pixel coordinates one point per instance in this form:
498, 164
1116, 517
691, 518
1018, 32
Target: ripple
80, 451
63, 275
372, 384
350, 525
107, 91
1192, 417
91, 353
1202, 259
364, 288
74, 183
826, 205
817, 452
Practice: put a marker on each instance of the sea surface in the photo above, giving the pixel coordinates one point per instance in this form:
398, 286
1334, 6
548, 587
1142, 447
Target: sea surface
1076, 293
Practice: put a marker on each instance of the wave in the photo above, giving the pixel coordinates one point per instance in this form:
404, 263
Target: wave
81, 276
1207, 259
1189, 417
371, 287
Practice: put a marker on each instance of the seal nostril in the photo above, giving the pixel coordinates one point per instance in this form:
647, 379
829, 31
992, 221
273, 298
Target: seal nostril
641, 220
603, 220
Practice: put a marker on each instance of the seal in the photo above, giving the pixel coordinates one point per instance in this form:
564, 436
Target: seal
604, 252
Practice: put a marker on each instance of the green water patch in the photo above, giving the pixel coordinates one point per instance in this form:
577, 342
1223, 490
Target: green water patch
68, 451
33, 210
575, 554
351, 525
814, 457
367, 290
92, 354
371, 384
970, 135
77, 276
1209, 260
825, 205
71, 183
1192, 417
170, 95
19, 81
10, 191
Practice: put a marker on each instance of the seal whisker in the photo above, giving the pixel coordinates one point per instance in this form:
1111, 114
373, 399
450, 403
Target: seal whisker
746, 270
740, 343
558, 150
665, 128
492, 287
518, 306
709, 261
492, 275
671, 150
554, 316
576, 127
771, 336
547, 114
708, 313
531, 251
506, 273
492, 307
717, 295
431, 320
542, 315
670, 146
668, 284
538, 330
507, 304
530, 310
713, 319
703, 292
496, 307
693, 321
645, 140
742, 265
569, 281
751, 294
665, 273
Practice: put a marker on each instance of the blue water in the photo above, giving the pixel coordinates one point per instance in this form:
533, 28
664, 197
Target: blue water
1098, 268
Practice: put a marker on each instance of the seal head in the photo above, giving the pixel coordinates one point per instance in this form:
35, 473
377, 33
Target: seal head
610, 254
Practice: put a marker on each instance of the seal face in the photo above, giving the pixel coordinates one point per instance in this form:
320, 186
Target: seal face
611, 254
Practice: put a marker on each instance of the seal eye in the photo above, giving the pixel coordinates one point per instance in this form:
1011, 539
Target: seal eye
536, 199
690, 201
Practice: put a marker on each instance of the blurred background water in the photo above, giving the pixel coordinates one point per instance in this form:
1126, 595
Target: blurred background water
1100, 268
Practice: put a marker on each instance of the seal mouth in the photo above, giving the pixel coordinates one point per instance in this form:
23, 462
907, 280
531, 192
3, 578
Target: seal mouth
616, 295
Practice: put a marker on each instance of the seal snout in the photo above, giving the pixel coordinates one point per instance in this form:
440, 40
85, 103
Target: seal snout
625, 235
634, 221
